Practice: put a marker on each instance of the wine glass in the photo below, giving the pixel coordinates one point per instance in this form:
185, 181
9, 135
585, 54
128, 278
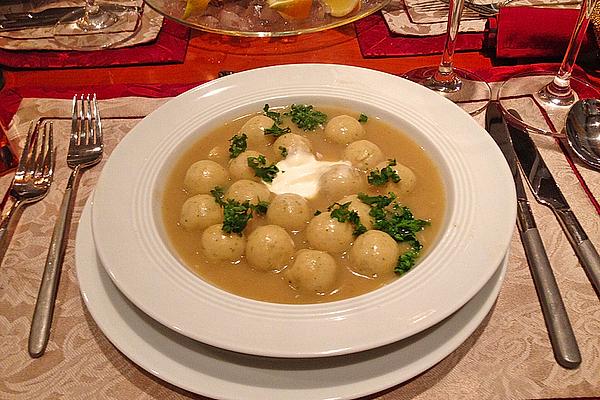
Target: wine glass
542, 99
97, 26
461, 86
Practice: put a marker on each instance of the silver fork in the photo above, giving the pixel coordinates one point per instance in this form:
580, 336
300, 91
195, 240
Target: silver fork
85, 150
441, 5
33, 176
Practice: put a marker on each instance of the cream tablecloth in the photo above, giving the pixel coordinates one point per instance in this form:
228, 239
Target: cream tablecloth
508, 357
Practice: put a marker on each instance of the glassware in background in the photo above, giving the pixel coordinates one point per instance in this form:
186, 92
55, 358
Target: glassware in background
98, 26
461, 86
550, 93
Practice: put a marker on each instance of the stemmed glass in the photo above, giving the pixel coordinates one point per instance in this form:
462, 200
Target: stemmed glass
97, 26
461, 86
550, 94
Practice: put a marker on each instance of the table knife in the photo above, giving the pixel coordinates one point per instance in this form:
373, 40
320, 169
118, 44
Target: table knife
548, 193
562, 338
55, 12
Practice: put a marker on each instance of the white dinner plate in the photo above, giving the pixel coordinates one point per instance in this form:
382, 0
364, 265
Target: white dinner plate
134, 248
222, 374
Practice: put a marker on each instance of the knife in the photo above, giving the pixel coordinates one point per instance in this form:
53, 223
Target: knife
49, 17
555, 315
548, 193
56, 12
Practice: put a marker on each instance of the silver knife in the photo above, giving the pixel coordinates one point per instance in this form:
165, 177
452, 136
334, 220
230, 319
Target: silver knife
555, 315
548, 193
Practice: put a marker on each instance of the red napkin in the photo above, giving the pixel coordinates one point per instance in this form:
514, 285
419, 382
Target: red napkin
530, 32
376, 40
169, 47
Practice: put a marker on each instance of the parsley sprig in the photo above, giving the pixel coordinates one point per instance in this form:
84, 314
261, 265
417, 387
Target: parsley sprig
384, 175
342, 213
239, 144
265, 172
275, 116
363, 119
284, 151
306, 117
399, 222
236, 215
277, 131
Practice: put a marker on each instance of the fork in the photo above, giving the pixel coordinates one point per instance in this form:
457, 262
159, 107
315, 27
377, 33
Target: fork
33, 176
85, 150
440, 5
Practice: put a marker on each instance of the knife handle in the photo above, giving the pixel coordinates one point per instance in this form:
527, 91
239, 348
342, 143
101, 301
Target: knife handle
562, 338
584, 249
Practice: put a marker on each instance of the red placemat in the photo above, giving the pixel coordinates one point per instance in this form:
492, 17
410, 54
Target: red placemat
169, 47
376, 40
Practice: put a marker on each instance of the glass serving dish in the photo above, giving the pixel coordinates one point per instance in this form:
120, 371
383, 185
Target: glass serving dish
265, 18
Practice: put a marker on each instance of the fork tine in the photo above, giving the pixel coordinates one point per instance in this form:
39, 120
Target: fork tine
49, 156
89, 131
24, 156
98, 126
82, 126
38, 165
74, 123
30, 165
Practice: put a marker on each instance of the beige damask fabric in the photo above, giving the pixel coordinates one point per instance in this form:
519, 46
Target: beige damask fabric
429, 17
42, 38
508, 357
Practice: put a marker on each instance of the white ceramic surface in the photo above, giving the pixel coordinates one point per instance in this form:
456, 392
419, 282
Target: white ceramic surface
218, 373
133, 247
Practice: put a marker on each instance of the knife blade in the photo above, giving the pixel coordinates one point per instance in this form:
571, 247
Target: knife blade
55, 12
548, 193
18, 21
562, 338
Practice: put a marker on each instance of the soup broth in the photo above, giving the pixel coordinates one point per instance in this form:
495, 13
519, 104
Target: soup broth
426, 200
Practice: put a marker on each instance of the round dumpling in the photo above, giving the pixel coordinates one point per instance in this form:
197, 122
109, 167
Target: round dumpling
218, 154
292, 143
374, 253
312, 270
363, 154
269, 248
344, 129
254, 129
361, 209
340, 180
244, 189
220, 246
202, 176
239, 169
328, 234
407, 182
289, 210
200, 211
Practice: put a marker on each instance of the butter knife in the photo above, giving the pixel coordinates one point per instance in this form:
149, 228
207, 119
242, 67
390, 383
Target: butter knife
548, 193
562, 338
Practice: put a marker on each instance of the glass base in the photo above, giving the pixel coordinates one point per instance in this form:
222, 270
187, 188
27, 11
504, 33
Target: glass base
527, 102
464, 88
107, 26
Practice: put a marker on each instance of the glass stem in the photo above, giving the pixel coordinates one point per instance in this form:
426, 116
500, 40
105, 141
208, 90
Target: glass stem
560, 86
445, 72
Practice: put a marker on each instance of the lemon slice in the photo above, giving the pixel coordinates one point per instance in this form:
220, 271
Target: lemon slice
195, 7
291, 9
341, 8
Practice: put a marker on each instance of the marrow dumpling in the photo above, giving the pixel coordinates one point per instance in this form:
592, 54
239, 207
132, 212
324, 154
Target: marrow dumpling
344, 129
363, 154
290, 211
292, 143
239, 169
220, 246
374, 253
199, 212
312, 270
407, 182
202, 176
328, 234
341, 180
269, 248
245, 190
254, 129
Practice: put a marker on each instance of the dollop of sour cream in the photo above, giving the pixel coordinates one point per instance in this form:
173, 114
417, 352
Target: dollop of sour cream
299, 173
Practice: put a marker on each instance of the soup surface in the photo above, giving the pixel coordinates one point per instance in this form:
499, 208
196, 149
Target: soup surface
366, 203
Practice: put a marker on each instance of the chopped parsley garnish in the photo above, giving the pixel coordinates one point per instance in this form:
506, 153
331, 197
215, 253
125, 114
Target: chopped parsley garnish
265, 172
238, 145
342, 213
399, 222
275, 116
363, 118
384, 175
306, 117
318, 212
277, 131
235, 214
284, 151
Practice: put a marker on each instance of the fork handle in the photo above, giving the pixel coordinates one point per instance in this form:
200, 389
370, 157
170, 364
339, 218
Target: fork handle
5, 227
44, 306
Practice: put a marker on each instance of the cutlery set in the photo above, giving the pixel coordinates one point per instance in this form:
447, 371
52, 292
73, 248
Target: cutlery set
516, 144
32, 182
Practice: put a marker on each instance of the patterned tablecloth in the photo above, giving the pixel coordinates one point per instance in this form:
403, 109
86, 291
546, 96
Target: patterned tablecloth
508, 357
